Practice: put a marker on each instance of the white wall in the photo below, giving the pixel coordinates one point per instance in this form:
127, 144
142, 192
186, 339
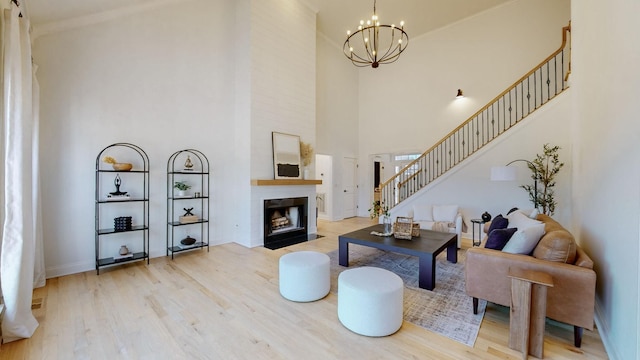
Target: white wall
324, 172
283, 86
409, 105
336, 113
155, 79
469, 185
606, 186
283, 78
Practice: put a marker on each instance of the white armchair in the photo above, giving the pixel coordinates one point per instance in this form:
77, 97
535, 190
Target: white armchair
438, 218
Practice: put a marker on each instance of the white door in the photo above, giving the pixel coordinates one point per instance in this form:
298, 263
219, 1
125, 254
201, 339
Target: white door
350, 187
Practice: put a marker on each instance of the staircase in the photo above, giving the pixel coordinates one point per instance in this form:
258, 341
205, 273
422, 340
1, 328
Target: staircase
513, 105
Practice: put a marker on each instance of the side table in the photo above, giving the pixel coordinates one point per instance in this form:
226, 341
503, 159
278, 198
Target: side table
474, 223
528, 311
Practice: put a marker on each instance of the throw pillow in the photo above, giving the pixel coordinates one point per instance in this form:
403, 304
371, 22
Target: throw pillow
530, 213
498, 222
446, 213
521, 221
498, 238
422, 212
524, 240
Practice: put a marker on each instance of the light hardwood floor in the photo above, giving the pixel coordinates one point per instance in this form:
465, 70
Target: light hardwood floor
225, 304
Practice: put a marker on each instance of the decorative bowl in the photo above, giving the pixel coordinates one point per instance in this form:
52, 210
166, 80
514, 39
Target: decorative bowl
188, 241
122, 166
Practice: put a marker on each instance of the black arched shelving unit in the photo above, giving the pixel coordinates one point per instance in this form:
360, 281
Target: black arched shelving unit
188, 214
121, 206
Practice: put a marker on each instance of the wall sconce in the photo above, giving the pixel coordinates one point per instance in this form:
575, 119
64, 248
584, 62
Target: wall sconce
508, 173
459, 95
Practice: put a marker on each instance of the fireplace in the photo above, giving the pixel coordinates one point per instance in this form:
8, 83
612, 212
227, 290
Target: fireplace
285, 222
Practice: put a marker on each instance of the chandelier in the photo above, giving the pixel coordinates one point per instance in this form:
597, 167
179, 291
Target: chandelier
375, 44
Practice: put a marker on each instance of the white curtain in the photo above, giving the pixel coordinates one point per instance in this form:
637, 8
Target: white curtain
21, 253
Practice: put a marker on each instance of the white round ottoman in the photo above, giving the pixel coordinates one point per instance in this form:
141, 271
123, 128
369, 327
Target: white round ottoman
304, 276
370, 301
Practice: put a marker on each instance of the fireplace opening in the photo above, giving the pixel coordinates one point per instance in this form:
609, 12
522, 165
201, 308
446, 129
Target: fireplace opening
285, 222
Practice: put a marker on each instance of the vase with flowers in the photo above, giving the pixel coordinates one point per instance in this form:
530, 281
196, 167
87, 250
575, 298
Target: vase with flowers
378, 210
306, 155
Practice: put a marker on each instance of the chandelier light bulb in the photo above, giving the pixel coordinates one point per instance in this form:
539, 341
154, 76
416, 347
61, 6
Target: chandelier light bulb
366, 40
351, 49
401, 23
360, 27
361, 22
393, 26
348, 32
368, 22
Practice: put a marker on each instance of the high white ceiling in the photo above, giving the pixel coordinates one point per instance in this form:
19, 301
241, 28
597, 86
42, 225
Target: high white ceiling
335, 17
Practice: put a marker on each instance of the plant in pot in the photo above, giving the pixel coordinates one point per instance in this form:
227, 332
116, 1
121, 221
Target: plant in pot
544, 169
182, 187
377, 210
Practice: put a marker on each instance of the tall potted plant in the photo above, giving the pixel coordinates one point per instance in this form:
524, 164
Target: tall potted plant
544, 169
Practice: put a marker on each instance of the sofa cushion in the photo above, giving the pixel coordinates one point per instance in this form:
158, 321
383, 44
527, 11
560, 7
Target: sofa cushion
446, 213
422, 212
558, 246
498, 238
498, 222
521, 221
549, 224
524, 240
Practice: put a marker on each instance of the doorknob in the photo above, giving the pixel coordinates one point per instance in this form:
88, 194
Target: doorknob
344, 190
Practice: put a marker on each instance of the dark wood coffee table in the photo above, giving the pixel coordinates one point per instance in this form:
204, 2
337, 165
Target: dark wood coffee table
426, 247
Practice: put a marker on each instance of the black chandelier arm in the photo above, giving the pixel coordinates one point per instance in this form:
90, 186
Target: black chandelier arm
392, 49
352, 54
371, 46
367, 43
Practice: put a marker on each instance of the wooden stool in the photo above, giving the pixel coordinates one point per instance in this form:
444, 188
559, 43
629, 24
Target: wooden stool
528, 311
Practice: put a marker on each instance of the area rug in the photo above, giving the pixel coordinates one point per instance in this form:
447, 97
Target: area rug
447, 310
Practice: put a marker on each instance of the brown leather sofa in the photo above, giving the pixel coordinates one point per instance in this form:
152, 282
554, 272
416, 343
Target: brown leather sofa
571, 300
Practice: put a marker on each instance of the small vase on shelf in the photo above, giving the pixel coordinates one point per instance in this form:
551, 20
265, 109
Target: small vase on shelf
305, 174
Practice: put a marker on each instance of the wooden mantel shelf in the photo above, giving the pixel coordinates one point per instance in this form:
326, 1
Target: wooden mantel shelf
258, 182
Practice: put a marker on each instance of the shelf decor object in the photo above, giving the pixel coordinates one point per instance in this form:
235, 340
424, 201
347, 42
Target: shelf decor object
119, 208
116, 165
187, 169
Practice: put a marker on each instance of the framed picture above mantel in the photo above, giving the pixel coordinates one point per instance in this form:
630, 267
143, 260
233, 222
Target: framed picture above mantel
286, 156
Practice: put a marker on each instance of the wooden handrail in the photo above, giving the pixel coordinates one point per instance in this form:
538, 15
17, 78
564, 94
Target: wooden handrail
408, 179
